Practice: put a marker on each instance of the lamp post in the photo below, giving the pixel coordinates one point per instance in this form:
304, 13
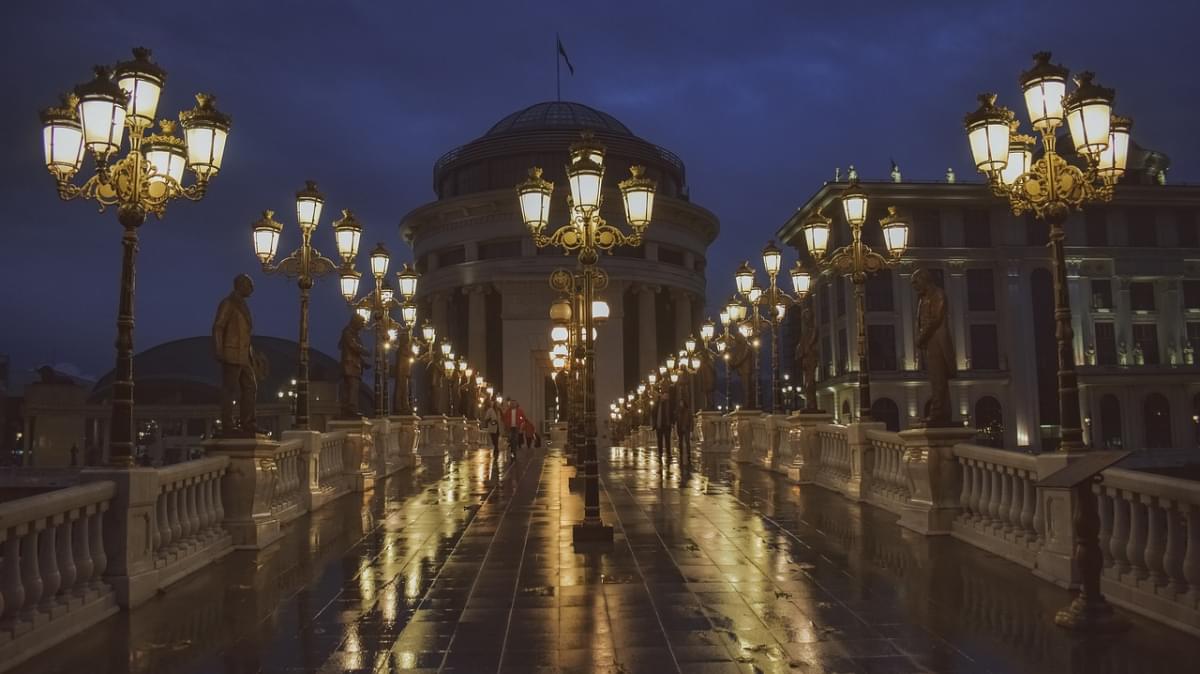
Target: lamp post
587, 234
94, 117
305, 264
1053, 186
856, 261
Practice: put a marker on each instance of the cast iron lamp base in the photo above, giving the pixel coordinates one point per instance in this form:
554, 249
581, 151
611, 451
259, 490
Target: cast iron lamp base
1094, 617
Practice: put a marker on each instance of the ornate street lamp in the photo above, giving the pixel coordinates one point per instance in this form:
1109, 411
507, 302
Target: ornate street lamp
587, 234
94, 117
856, 261
305, 264
1051, 188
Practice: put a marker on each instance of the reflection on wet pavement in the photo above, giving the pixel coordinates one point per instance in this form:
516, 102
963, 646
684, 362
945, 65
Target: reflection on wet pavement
712, 570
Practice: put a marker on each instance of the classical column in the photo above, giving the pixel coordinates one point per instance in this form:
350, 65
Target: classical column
1124, 328
647, 330
1079, 309
682, 302
1018, 338
1170, 326
477, 329
956, 296
908, 319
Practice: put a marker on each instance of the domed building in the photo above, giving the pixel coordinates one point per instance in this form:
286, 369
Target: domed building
486, 286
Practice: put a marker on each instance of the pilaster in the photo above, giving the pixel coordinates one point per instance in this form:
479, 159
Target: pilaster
248, 489
934, 478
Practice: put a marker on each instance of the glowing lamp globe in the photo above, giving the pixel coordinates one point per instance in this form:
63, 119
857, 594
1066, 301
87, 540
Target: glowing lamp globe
266, 236
62, 139
988, 129
205, 129
816, 234
533, 196
101, 112
142, 81
1044, 86
1089, 115
638, 195
347, 232
309, 203
895, 232
1111, 162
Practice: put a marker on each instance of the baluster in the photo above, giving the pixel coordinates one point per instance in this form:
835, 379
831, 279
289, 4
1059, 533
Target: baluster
84, 566
31, 572
985, 495
189, 497
1105, 503
1176, 547
1014, 508
48, 558
1028, 505
972, 477
173, 513
10, 583
162, 529
1135, 550
997, 479
1191, 558
218, 504
964, 495
1006, 497
1120, 532
96, 539
1156, 540
66, 554
204, 502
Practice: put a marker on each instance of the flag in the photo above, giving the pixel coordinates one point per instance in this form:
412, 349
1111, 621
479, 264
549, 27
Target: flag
563, 53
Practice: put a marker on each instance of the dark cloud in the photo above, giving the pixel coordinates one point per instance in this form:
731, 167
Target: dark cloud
761, 99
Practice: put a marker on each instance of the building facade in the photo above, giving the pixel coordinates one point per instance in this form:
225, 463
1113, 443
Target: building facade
1134, 282
485, 286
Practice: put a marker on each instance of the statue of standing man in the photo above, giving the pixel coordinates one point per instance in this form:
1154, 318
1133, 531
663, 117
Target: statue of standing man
936, 346
231, 341
353, 356
808, 357
402, 373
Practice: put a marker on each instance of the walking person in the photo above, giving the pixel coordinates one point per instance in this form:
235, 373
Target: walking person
491, 423
683, 427
514, 420
664, 419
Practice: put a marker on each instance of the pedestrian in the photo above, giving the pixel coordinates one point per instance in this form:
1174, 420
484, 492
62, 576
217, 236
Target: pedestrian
664, 419
491, 422
683, 426
528, 433
514, 419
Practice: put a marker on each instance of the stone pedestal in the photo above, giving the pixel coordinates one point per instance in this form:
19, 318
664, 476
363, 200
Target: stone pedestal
934, 478
862, 457
404, 427
312, 496
433, 439
714, 433
357, 453
742, 434
805, 450
1056, 507
456, 436
128, 531
248, 489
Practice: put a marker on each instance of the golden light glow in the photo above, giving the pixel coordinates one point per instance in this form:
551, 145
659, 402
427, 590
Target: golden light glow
816, 234
1111, 163
379, 261
346, 233
1044, 86
266, 236
407, 279
309, 203
205, 129
599, 311
142, 81
988, 130
62, 139
854, 204
801, 280
1089, 115
533, 195
101, 112
895, 232
348, 281
638, 194
772, 258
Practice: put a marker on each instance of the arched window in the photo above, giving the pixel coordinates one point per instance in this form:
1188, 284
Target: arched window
846, 411
989, 419
1110, 422
883, 409
1156, 421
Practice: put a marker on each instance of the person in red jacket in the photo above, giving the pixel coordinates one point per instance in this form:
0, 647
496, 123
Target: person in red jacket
514, 420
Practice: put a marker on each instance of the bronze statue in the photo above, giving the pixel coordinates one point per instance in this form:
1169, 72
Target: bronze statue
936, 346
402, 373
808, 356
741, 360
353, 356
231, 343
708, 378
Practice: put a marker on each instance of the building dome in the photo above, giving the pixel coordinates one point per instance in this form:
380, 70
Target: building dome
559, 114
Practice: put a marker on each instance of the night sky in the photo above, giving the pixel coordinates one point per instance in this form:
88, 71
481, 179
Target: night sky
762, 104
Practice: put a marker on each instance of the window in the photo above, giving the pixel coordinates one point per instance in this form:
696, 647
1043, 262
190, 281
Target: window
638, 252
840, 299
1096, 226
886, 411
1145, 335
670, 256
1106, 344
985, 347
1141, 295
843, 350
989, 419
1110, 422
981, 290
1102, 294
1191, 293
492, 250
1185, 229
823, 298
1037, 232
1156, 420
826, 357
881, 347
1140, 227
977, 228
926, 229
879, 291
451, 256
1193, 335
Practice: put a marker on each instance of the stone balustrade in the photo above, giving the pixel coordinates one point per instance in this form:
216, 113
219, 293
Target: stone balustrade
189, 530
939, 484
331, 460
52, 568
290, 464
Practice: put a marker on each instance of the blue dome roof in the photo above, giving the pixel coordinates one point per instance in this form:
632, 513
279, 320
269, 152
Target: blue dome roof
559, 114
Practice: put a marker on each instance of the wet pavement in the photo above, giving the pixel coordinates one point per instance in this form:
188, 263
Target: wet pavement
716, 569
